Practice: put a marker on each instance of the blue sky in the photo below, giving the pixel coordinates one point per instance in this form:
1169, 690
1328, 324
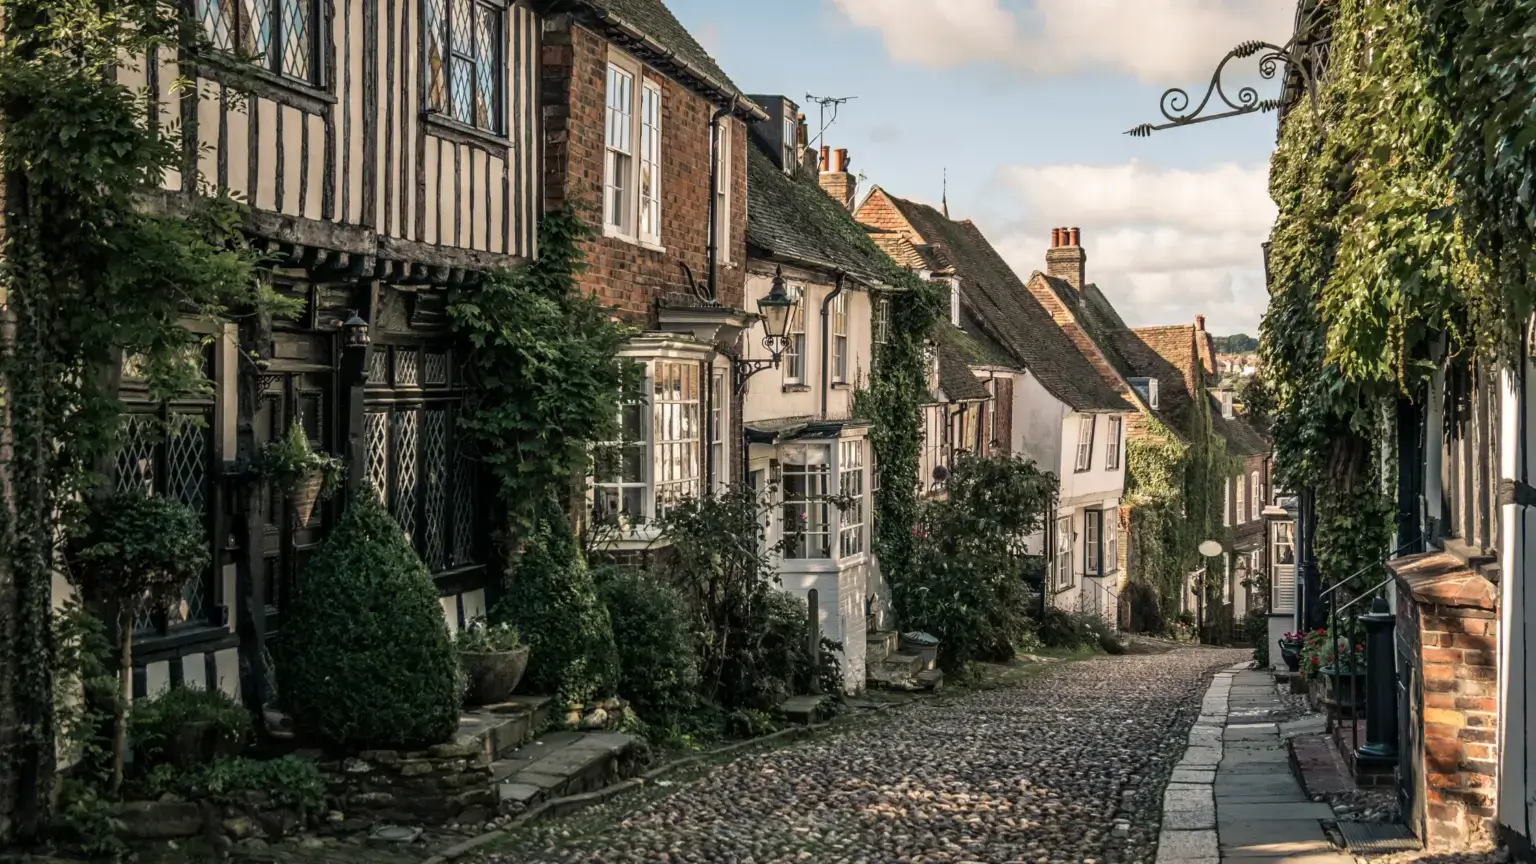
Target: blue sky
1025, 102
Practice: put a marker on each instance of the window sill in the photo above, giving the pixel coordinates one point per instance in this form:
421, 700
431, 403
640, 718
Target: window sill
264, 82
616, 234
841, 385
797, 388
446, 127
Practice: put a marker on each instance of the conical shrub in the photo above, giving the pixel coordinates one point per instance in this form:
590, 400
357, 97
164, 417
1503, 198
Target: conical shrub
365, 660
554, 604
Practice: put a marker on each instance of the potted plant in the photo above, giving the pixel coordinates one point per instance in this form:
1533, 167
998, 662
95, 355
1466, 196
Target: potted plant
494, 660
1290, 650
302, 474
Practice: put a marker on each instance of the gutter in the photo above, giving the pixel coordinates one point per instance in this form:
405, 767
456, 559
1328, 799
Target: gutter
826, 358
634, 33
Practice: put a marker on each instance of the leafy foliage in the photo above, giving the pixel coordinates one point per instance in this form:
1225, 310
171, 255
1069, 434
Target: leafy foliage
1237, 343
366, 661
543, 370
658, 666
553, 602
482, 637
160, 721
86, 700
967, 586
289, 459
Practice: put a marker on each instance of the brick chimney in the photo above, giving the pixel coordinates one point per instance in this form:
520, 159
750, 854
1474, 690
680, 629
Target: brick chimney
835, 179
1066, 258
1200, 323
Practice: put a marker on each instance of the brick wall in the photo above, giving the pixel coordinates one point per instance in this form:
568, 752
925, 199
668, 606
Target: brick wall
1448, 627
623, 274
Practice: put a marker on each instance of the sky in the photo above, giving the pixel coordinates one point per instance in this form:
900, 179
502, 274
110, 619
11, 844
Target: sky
1024, 104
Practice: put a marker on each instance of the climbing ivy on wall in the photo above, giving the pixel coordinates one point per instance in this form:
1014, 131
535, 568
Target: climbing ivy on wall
90, 273
893, 404
545, 374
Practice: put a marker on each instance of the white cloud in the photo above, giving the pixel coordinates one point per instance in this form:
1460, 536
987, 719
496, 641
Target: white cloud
1162, 41
1163, 244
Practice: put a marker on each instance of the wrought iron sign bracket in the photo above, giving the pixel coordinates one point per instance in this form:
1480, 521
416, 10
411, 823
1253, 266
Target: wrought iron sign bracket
1306, 55
745, 369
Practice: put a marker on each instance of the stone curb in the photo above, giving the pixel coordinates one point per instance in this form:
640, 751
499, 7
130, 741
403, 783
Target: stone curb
568, 804
1188, 830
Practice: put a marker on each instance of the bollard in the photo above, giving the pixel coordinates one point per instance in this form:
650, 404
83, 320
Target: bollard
813, 638
1380, 683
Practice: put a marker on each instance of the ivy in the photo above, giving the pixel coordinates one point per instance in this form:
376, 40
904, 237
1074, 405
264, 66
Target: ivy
90, 273
544, 373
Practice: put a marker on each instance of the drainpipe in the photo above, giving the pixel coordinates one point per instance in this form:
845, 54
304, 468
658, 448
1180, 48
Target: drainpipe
714, 199
826, 359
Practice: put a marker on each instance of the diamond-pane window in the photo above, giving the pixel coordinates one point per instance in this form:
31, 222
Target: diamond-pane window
407, 367
465, 63
437, 369
435, 476
404, 430
378, 366
376, 433
277, 35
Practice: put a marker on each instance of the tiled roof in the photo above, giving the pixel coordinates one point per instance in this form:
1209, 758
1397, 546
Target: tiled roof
973, 351
1167, 354
653, 21
955, 376
900, 249
994, 301
1241, 436
796, 219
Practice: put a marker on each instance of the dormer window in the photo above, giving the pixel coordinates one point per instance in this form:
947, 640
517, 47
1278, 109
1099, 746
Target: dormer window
791, 128
1146, 388
1225, 397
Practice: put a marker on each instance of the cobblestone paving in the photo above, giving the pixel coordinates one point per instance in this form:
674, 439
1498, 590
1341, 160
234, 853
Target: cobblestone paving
1038, 772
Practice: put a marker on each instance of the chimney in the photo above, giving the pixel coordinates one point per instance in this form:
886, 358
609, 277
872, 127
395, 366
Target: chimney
1066, 258
1200, 323
835, 179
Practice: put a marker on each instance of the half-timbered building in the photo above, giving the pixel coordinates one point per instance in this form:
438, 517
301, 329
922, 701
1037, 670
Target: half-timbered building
388, 151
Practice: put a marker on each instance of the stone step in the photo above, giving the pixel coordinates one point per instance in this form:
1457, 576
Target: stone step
880, 645
497, 730
898, 671
803, 710
929, 679
564, 763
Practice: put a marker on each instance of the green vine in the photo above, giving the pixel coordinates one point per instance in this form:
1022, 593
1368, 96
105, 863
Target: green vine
547, 381
90, 274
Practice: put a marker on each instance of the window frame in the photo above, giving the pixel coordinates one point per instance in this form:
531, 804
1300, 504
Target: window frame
1112, 444
794, 358
839, 326
677, 430
1111, 535
812, 500
1061, 564
852, 539
1241, 494
1258, 494
643, 93
496, 104
1093, 538
719, 425
722, 193
882, 319
317, 37
1085, 431
1226, 502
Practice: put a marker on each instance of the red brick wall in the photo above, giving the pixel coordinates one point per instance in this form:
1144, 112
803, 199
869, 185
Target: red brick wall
627, 276
1458, 654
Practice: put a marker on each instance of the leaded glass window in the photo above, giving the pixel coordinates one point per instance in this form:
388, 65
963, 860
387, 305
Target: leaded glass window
281, 36
466, 61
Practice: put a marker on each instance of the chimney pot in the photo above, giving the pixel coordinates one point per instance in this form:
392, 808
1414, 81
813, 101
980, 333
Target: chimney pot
840, 160
826, 158
1200, 323
1077, 238
1055, 237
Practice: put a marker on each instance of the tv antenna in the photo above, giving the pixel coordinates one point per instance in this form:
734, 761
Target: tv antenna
832, 103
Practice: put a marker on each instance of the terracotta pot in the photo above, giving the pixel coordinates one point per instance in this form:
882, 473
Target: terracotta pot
304, 495
493, 675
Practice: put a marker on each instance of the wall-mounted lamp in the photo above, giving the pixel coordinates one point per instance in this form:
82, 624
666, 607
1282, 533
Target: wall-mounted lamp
774, 310
354, 350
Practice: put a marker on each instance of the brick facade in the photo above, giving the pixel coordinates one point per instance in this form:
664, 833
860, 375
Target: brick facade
626, 275
1447, 633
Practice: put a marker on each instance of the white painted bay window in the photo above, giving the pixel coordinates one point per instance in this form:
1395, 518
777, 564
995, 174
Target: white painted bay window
679, 451
807, 525
621, 474
850, 487
1093, 535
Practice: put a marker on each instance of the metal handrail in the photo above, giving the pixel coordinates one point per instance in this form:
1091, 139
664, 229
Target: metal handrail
1390, 555
1369, 592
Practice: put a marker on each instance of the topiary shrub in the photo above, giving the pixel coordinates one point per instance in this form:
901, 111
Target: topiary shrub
365, 661
554, 604
659, 664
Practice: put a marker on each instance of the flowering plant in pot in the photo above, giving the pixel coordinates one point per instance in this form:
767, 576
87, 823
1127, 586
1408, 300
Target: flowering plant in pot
494, 659
1290, 650
303, 474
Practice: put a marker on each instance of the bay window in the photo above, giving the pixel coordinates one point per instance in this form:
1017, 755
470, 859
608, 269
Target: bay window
850, 486
678, 444
619, 479
807, 525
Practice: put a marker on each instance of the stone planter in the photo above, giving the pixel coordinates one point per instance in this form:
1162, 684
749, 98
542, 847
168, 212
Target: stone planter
1343, 693
493, 675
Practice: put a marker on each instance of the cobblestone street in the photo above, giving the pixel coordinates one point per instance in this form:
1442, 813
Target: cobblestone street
1038, 772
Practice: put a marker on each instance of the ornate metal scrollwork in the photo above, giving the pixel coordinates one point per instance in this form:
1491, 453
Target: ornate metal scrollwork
1305, 55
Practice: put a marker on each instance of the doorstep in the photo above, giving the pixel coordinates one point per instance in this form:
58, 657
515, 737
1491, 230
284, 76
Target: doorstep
563, 763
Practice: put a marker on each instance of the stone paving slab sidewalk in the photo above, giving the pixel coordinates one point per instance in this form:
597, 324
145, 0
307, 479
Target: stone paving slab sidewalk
1232, 797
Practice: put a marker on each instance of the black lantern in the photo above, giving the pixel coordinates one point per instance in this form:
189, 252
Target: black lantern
775, 310
354, 333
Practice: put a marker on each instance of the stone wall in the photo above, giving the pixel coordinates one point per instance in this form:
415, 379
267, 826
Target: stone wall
446, 784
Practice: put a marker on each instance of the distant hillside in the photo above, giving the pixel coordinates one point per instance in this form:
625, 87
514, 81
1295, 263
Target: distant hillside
1238, 343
